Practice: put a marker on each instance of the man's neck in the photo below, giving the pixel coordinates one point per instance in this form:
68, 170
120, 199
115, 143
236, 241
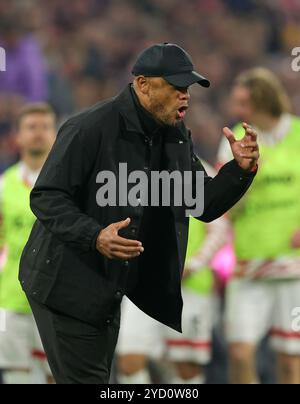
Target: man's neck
33, 163
265, 123
275, 131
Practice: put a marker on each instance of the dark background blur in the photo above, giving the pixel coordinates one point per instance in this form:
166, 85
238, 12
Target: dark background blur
74, 53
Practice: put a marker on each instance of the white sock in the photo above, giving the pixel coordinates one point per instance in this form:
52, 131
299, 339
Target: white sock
139, 377
16, 377
199, 379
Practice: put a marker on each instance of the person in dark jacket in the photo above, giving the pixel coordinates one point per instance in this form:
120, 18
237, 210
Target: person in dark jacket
82, 258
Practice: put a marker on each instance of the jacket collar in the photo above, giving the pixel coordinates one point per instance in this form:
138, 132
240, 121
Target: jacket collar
124, 103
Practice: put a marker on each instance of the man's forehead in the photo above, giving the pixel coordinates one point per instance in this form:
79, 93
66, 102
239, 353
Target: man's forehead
37, 118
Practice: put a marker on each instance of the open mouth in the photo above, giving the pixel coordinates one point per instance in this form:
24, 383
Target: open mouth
182, 111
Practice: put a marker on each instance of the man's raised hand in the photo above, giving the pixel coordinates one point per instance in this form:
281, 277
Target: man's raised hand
246, 150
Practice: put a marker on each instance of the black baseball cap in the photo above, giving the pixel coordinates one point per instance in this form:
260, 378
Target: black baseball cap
171, 62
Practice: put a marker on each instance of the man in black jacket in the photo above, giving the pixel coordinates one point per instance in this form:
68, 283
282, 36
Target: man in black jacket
81, 258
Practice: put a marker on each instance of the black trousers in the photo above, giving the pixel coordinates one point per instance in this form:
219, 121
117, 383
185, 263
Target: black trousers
77, 352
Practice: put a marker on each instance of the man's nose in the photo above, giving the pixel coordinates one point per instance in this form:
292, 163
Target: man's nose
184, 94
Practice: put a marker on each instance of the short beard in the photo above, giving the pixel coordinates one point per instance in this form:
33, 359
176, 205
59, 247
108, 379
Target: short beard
36, 153
160, 115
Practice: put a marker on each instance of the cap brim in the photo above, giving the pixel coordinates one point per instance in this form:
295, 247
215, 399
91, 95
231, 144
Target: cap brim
187, 79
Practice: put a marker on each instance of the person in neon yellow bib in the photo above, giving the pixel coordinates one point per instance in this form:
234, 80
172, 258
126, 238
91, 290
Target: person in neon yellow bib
265, 293
20, 344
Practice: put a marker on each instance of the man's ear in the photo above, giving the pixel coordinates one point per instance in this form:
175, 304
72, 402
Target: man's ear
142, 84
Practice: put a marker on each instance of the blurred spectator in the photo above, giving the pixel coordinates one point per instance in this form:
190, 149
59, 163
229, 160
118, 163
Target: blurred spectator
25, 74
89, 48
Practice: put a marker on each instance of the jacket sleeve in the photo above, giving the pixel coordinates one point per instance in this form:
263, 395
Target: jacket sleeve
54, 198
224, 190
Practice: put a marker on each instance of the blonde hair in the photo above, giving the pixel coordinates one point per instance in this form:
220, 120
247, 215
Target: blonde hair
267, 93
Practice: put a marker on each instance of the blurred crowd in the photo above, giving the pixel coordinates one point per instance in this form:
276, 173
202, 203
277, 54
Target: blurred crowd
74, 54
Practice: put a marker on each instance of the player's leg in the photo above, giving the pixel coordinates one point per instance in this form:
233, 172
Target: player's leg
288, 368
138, 340
242, 363
248, 318
15, 352
132, 369
285, 333
191, 349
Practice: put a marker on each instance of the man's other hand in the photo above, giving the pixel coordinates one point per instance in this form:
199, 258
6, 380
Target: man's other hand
113, 246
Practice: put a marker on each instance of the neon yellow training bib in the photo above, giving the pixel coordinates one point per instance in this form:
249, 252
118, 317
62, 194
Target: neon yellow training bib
267, 216
201, 282
17, 223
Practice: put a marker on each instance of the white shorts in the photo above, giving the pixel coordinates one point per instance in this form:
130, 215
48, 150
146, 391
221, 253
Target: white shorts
254, 308
20, 343
140, 334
